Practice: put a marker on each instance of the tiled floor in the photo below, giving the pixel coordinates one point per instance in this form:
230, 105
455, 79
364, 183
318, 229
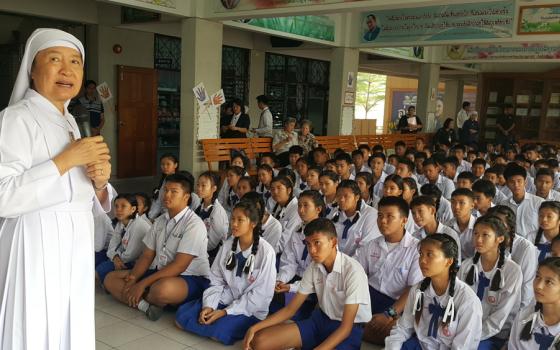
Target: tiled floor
119, 327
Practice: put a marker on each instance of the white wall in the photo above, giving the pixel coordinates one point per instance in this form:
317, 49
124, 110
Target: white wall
84, 11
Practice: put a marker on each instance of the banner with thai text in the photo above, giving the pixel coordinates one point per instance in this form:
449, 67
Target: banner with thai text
486, 20
503, 52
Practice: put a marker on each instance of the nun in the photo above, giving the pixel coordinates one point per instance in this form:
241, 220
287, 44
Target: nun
50, 181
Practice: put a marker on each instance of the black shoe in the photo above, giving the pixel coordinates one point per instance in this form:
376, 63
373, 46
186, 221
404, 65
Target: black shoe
154, 312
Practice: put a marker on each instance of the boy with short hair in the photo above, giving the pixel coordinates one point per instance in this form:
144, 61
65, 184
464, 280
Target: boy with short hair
320, 157
478, 167
450, 165
459, 152
344, 166
359, 164
342, 291
525, 204
544, 184
462, 205
294, 153
465, 180
377, 164
400, 148
405, 168
424, 214
433, 176
484, 192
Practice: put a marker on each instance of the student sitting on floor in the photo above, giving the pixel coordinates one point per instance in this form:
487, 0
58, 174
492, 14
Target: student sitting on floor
537, 327
312, 179
265, 174
433, 176
241, 283
302, 167
211, 211
174, 266
126, 242
270, 226
484, 192
423, 210
377, 164
549, 228
496, 280
295, 259
465, 179
329, 182
441, 312
144, 204
544, 185
355, 221
168, 164
365, 183
227, 196
462, 205
391, 263
344, 166
359, 162
245, 185
343, 297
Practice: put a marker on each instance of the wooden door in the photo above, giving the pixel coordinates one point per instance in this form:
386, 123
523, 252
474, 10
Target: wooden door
136, 121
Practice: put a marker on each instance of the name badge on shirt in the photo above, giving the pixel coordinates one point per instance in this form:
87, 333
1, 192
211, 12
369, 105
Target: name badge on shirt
162, 260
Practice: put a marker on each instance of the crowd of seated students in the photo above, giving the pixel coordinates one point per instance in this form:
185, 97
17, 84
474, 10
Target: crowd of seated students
432, 247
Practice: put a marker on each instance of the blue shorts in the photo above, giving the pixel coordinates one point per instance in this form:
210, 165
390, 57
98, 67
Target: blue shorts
100, 257
319, 327
104, 268
493, 343
379, 301
226, 330
304, 312
196, 285
411, 344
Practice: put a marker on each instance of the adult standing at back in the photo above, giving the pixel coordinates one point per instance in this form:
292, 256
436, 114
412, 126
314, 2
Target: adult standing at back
94, 106
265, 121
236, 125
49, 182
504, 127
462, 117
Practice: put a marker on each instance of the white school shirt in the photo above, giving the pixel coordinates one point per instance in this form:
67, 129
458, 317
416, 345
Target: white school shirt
557, 181
146, 219
499, 197
102, 230
291, 262
441, 228
128, 246
157, 207
289, 219
330, 209
362, 231
378, 187
531, 238
444, 212
464, 166
184, 233
541, 332
391, 272
525, 254
248, 295
462, 333
445, 185
505, 190
363, 169
466, 237
410, 225
498, 307
553, 195
265, 192
527, 218
272, 231
389, 168
530, 184
217, 224
346, 284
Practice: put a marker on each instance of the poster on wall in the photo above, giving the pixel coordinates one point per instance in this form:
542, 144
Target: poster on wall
496, 52
539, 19
489, 20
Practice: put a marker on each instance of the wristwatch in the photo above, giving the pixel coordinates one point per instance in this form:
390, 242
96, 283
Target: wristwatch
391, 312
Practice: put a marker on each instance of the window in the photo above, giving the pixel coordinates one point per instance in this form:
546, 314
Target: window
299, 88
235, 73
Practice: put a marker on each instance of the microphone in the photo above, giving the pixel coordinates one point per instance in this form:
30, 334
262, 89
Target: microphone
82, 119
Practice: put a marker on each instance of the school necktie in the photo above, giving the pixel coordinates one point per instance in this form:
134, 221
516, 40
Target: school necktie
204, 214
302, 186
347, 224
544, 249
543, 340
483, 283
305, 251
241, 260
330, 208
267, 196
437, 312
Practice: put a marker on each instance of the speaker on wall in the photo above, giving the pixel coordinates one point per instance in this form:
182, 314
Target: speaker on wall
283, 42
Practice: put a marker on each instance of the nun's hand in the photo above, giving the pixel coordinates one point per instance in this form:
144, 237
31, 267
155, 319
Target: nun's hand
82, 152
99, 173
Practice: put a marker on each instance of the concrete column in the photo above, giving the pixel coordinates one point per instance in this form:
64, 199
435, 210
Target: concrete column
344, 60
256, 84
201, 61
453, 99
428, 81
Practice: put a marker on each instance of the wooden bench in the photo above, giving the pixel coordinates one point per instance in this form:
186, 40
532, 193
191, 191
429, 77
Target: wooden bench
217, 150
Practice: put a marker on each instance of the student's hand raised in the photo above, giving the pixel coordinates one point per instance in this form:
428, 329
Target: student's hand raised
82, 152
